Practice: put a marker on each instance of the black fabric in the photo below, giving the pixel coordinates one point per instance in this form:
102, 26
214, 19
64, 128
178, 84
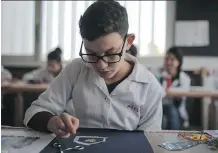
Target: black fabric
39, 121
7, 110
117, 142
112, 86
28, 98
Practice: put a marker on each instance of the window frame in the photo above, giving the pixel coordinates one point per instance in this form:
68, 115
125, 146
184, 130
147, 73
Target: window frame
10, 60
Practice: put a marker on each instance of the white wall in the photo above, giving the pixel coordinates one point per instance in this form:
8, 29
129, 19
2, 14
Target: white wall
26, 37
189, 62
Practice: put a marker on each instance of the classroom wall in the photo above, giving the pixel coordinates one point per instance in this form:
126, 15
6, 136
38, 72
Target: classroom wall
200, 10
187, 10
189, 62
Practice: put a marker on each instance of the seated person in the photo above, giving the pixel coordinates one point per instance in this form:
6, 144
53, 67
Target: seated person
46, 74
174, 109
5, 75
133, 50
109, 88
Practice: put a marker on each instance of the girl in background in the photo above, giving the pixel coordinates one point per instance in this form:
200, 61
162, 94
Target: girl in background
48, 73
43, 75
174, 108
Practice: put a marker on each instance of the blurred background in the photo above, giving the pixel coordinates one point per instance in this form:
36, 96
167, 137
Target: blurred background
30, 30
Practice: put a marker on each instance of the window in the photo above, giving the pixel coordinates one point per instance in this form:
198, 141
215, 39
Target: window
147, 20
18, 22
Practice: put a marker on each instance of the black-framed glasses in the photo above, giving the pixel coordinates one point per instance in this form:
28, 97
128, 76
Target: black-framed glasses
108, 58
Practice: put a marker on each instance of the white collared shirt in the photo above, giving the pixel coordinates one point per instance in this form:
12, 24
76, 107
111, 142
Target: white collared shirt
39, 74
135, 103
5, 74
182, 84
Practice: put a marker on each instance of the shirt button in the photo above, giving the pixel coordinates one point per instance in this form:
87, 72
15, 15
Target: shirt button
107, 99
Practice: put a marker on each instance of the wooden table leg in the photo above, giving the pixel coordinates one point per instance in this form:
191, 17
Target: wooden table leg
18, 110
212, 116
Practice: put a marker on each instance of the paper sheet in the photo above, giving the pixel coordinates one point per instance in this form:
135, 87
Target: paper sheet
20, 140
213, 133
192, 33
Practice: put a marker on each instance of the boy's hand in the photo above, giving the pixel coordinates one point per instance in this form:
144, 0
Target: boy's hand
63, 125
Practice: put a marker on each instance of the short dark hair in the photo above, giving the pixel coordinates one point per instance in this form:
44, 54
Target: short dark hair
55, 55
102, 18
133, 50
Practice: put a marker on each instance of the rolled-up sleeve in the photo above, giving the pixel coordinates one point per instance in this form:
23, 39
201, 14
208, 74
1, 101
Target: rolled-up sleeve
54, 99
152, 110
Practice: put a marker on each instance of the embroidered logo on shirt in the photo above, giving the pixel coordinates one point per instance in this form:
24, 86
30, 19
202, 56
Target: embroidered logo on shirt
133, 108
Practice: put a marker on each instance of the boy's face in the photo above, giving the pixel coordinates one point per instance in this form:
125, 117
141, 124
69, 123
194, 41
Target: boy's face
106, 45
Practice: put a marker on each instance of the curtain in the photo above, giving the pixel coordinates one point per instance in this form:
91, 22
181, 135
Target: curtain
60, 26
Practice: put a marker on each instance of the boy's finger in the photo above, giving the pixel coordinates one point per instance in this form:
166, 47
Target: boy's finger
75, 123
67, 121
61, 133
60, 125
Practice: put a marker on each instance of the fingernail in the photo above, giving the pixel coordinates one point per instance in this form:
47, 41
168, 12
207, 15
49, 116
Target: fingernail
66, 136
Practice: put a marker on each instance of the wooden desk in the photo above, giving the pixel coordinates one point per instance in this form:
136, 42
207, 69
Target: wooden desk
24, 87
18, 88
199, 92
154, 137
193, 94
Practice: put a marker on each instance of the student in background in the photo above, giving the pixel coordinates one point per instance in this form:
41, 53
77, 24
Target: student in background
174, 108
133, 50
5, 75
109, 88
46, 74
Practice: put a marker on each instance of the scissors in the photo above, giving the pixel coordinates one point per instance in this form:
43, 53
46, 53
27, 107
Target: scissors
59, 146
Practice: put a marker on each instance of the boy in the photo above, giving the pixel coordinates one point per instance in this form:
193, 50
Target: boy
108, 87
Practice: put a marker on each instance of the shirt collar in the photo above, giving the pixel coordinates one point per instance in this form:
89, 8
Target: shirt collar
139, 73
